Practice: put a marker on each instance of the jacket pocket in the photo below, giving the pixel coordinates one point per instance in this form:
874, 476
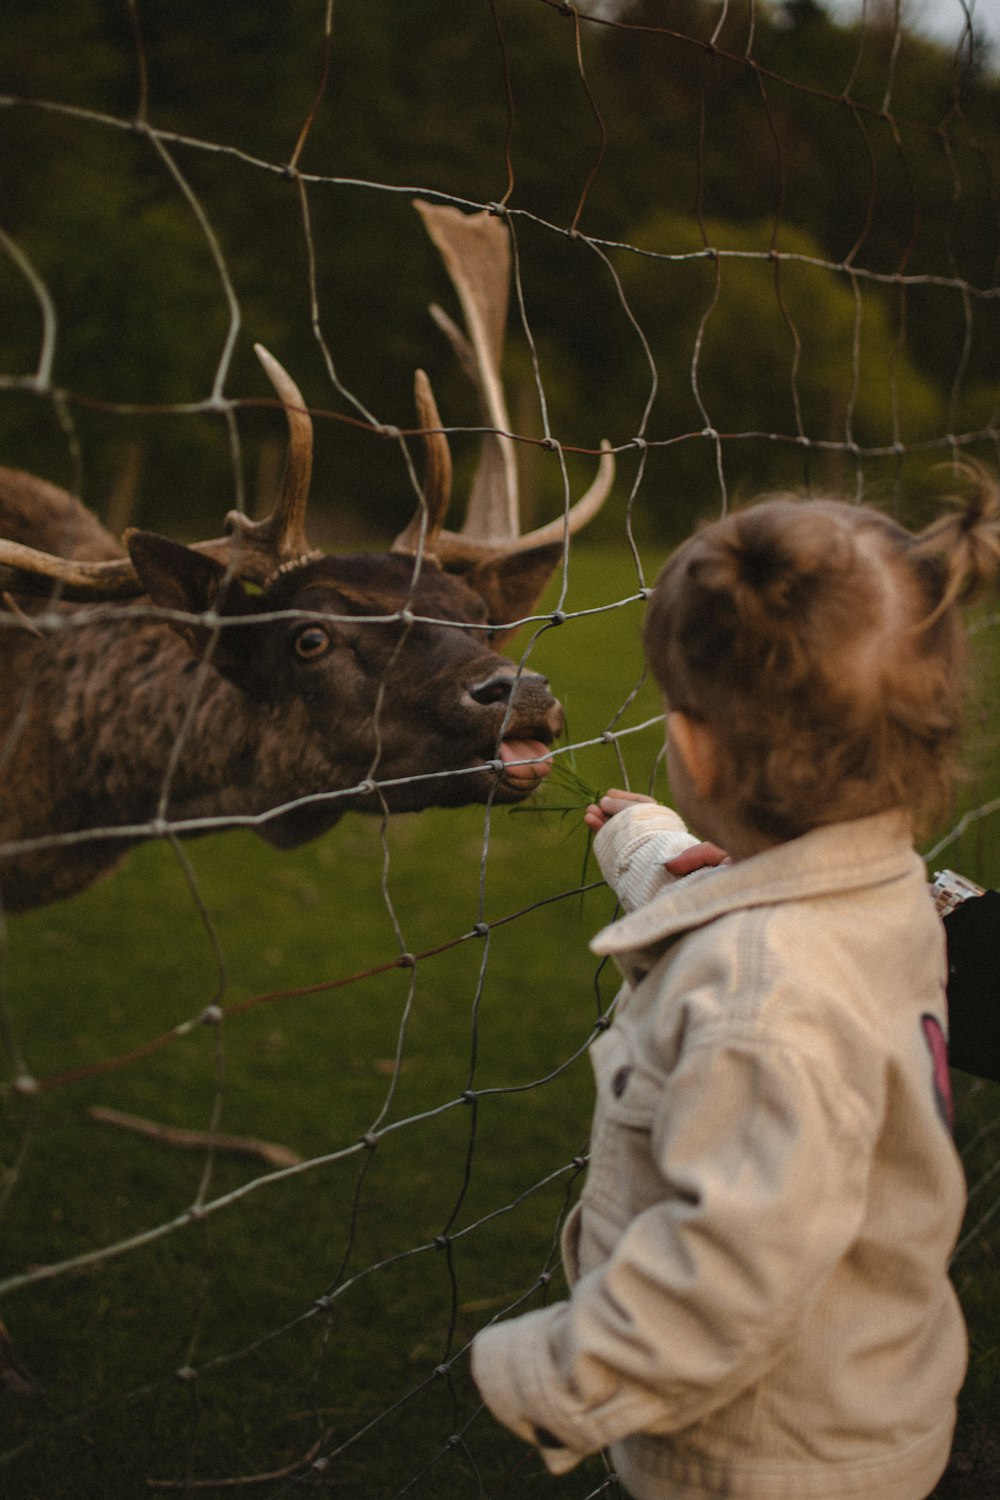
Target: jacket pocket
623, 1178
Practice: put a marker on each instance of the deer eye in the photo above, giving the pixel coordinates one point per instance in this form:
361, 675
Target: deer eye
311, 641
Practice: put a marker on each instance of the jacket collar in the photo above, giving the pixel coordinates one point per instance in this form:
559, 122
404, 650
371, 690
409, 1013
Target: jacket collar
840, 857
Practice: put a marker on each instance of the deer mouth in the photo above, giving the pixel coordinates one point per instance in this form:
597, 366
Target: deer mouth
527, 718
525, 763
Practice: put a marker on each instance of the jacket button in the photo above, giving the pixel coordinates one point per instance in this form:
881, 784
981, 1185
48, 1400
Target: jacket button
620, 1081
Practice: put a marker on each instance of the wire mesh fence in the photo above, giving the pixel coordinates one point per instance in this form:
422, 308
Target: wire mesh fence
285, 1126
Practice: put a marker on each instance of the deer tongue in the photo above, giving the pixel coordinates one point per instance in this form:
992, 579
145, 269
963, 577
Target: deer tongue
512, 751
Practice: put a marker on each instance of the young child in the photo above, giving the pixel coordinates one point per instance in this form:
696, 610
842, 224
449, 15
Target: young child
760, 1304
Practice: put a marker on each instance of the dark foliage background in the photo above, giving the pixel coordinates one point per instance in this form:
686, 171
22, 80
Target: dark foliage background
754, 247
687, 128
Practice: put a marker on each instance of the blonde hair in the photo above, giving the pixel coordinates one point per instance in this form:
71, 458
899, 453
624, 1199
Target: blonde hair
822, 643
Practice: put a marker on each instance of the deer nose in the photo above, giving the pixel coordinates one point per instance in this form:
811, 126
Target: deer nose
501, 686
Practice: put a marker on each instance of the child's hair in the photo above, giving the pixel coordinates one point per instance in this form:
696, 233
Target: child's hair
822, 644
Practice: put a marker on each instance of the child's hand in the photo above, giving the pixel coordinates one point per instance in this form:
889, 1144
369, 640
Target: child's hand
614, 801
698, 857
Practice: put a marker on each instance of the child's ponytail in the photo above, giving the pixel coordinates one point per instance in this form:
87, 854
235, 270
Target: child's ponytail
768, 569
752, 588
960, 551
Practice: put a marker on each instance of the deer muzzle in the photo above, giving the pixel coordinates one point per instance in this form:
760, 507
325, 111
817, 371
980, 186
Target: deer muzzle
532, 719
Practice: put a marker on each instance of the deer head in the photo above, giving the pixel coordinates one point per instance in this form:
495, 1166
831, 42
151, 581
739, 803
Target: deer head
368, 681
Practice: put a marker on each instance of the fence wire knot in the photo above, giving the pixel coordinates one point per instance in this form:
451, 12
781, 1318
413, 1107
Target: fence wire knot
646, 336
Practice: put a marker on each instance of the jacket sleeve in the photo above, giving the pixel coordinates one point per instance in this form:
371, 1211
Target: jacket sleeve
761, 1194
631, 849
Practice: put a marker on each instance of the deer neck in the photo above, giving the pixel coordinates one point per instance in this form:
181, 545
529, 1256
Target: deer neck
126, 725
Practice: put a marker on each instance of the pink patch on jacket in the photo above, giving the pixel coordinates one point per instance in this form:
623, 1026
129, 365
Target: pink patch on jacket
937, 1046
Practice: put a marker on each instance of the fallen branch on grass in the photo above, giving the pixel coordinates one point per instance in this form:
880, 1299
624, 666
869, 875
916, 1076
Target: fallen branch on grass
196, 1140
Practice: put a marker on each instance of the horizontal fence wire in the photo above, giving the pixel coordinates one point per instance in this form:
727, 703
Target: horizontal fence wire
421, 1051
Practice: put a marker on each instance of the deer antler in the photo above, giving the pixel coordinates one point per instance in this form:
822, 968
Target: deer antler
258, 549
278, 542
25, 570
425, 528
475, 249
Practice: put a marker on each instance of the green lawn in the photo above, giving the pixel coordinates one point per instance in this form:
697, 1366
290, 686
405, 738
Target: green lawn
331, 1305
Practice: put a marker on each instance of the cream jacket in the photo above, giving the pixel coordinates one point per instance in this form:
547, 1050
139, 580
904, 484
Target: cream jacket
760, 1304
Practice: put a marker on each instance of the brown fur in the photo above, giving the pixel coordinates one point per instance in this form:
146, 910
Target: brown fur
93, 712
822, 644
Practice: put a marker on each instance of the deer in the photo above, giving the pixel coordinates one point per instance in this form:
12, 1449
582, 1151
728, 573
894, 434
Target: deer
156, 687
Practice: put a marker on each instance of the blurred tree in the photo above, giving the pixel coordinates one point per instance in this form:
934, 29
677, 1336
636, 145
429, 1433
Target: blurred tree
770, 125
771, 350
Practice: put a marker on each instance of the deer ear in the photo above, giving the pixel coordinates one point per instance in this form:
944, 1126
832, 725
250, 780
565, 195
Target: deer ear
178, 578
512, 583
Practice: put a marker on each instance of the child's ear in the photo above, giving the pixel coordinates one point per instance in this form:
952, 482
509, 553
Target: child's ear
698, 748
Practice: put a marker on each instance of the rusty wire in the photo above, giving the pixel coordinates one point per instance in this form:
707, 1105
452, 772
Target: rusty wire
318, 1457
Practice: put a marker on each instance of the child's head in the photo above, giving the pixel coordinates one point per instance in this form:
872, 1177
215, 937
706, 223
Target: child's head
821, 644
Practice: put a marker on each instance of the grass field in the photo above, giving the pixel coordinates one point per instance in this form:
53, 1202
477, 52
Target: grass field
327, 1308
